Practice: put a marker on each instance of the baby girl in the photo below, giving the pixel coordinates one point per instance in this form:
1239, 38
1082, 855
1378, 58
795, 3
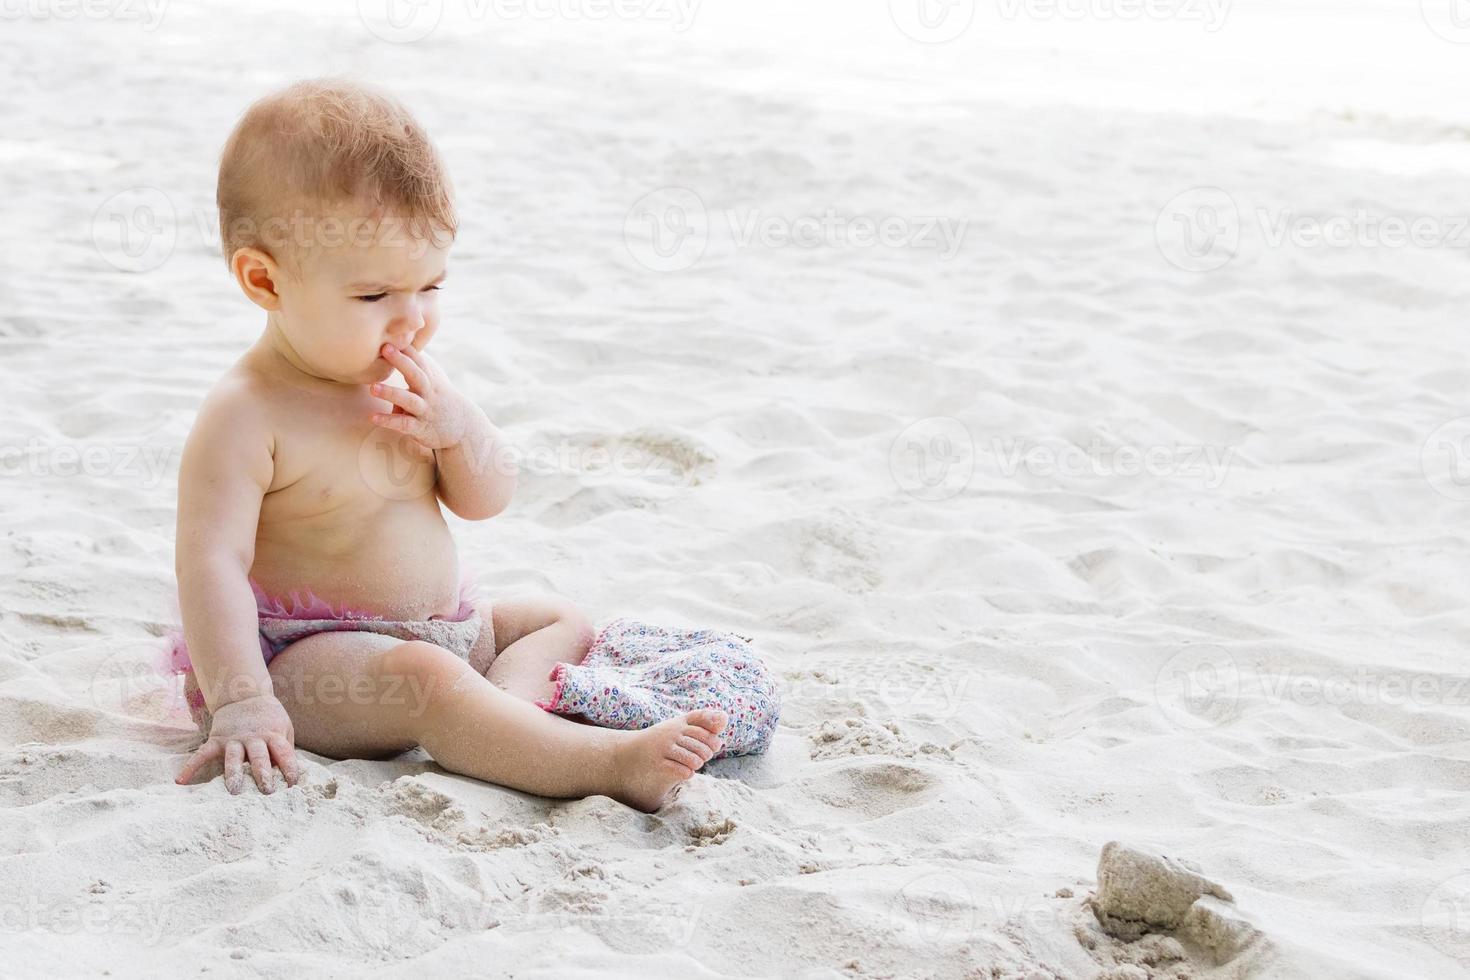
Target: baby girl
309, 471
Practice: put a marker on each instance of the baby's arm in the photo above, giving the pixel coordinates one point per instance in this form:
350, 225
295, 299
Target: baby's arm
225, 472
476, 474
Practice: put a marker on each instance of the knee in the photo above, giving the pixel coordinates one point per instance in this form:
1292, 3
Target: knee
573, 618
421, 672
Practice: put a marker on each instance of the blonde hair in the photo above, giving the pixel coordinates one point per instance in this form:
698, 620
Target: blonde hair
318, 145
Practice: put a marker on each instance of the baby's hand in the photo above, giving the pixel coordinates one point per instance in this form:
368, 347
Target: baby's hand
430, 411
257, 728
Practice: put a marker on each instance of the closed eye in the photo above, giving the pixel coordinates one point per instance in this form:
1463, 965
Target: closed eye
377, 296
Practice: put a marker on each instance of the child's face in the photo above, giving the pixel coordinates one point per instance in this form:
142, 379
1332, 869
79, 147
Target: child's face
349, 300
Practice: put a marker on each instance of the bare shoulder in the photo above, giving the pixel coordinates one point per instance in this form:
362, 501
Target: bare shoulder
233, 430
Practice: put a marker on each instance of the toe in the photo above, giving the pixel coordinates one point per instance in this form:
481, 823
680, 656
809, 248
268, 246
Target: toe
685, 757
694, 744
706, 736
710, 719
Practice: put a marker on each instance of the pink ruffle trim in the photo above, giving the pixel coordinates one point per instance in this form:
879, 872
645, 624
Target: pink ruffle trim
309, 606
559, 675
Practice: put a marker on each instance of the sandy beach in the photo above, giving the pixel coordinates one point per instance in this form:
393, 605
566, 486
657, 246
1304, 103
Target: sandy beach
1072, 409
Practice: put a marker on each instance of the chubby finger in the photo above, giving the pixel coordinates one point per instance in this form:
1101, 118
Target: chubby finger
285, 755
260, 765
401, 397
420, 357
234, 757
407, 366
203, 756
398, 421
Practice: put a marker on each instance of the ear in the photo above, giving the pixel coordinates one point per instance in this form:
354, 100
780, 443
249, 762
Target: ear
259, 277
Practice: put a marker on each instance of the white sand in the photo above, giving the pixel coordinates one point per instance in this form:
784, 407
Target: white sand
988, 677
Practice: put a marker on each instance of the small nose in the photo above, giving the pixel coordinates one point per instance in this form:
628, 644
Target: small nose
408, 323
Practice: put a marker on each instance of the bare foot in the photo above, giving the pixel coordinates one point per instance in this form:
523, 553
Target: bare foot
653, 762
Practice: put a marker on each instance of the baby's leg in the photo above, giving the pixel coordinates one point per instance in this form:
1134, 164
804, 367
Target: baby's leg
361, 695
532, 636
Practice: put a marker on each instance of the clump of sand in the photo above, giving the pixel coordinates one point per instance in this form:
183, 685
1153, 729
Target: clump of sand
1159, 916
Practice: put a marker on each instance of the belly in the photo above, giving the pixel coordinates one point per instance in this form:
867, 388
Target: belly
394, 559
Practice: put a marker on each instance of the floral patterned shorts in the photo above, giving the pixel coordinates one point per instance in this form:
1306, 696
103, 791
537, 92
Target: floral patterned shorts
636, 675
